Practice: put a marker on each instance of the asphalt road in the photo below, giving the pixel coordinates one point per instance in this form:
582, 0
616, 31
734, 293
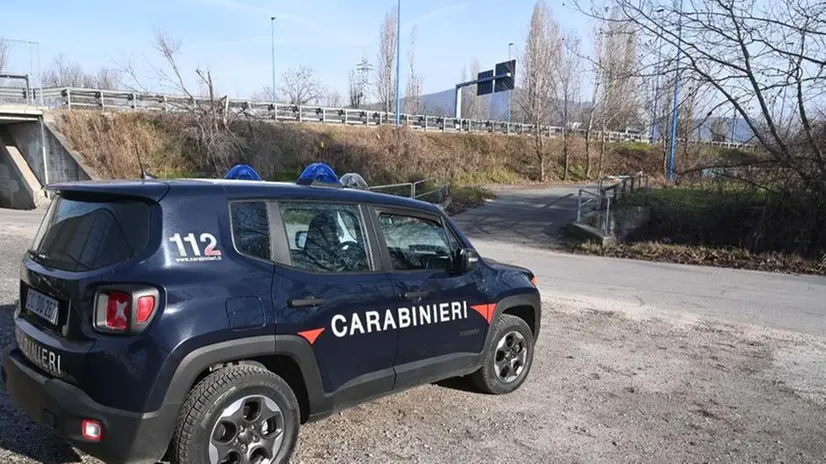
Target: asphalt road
519, 223
530, 217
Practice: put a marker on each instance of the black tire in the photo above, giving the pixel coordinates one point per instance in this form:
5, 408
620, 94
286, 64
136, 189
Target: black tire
487, 378
214, 394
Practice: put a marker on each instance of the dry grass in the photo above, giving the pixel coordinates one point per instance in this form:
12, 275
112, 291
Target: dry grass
464, 198
736, 258
107, 142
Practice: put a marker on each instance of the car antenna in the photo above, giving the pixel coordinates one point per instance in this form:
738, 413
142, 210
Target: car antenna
144, 175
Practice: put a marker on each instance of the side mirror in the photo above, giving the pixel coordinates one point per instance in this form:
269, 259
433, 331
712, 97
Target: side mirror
466, 260
300, 238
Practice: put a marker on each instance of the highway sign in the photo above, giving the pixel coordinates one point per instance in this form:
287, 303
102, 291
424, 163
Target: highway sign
484, 88
508, 71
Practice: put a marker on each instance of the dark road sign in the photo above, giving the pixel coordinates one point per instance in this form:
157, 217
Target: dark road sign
502, 84
484, 88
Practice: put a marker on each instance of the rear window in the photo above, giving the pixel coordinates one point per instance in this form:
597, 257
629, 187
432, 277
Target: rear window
80, 235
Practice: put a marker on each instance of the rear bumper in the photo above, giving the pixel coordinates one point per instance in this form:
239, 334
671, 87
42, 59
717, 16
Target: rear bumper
128, 437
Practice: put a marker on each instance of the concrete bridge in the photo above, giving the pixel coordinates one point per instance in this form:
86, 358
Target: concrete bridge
33, 154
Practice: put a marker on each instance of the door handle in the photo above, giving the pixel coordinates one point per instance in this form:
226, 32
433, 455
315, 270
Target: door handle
415, 295
305, 302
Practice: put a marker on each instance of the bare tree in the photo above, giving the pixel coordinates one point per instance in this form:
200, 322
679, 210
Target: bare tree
63, 72
414, 80
333, 99
301, 86
209, 128
620, 74
718, 131
263, 94
765, 61
468, 94
568, 77
354, 92
4, 54
541, 53
596, 98
385, 70
616, 94
107, 78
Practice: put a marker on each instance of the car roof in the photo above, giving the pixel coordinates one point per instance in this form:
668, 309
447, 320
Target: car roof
237, 189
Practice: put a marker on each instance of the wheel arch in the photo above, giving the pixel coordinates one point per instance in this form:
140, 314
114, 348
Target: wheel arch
283, 354
526, 306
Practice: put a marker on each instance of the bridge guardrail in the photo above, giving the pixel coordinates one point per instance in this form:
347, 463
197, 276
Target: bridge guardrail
620, 185
84, 98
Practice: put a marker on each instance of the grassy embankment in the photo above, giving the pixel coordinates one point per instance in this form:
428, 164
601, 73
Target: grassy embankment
727, 226
280, 151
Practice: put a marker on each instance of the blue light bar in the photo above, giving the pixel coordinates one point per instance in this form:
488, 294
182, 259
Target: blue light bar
242, 172
318, 173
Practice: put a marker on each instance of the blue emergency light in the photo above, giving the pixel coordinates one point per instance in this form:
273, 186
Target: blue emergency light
242, 172
318, 174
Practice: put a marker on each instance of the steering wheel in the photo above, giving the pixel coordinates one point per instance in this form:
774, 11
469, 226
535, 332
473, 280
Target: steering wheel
351, 250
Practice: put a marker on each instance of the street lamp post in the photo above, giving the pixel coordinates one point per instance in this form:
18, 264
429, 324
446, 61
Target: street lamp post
675, 100
398, 55
510, 92
272, 35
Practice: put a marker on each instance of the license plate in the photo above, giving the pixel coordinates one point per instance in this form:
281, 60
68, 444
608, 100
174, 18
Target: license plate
46, 359
42, 305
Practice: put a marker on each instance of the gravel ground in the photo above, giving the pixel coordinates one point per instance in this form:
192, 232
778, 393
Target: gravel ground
611, 382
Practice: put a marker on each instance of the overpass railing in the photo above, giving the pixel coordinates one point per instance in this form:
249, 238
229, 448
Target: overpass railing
99, 99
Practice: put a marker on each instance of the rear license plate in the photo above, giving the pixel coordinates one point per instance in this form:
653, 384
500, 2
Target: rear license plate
42, 305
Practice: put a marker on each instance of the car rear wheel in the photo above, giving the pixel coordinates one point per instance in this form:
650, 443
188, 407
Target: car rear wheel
239, 414
508, 357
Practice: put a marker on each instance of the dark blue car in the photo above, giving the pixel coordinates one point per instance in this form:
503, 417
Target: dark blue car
201, 321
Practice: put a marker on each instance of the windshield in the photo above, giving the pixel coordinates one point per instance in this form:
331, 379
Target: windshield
80, 235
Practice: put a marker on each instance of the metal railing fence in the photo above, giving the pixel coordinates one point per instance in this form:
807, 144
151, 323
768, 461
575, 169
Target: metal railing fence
436, 189
95, 99
619, 186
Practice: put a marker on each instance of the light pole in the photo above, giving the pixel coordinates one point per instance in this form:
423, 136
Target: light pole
398, 55
675, 100
272, 35
510, 92
657, 79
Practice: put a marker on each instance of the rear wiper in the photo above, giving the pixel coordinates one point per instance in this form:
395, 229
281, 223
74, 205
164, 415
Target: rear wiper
49, 256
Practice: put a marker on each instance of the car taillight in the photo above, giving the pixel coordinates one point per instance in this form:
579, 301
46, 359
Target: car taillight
146, 305
117, 310
124, 308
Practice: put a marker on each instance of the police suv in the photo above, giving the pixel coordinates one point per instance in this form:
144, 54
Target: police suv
201, 321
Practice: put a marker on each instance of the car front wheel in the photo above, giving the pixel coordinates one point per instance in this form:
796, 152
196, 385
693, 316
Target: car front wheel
508, 357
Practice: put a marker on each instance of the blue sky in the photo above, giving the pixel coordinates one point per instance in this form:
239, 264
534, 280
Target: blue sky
232, 37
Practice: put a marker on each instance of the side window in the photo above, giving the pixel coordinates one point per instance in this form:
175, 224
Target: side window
325, 237
415, 243
251, 228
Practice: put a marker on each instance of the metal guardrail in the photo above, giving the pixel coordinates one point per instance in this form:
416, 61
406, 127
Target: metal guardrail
620, 185
83, 98
435, 187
